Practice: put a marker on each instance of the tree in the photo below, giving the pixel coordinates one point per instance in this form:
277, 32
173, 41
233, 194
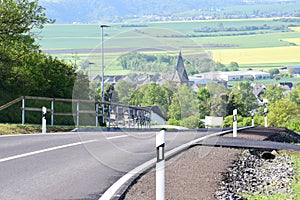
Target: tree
125, 90
274, 72
174, 110
234, 66
282, 112
17, 19
152, 94
295, 95
242, 98
291, 71
273, 93
24, 70
218, 99
188, 101
203, 96
184, 103
221, 67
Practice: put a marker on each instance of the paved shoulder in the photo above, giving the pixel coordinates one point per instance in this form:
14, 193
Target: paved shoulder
246, 143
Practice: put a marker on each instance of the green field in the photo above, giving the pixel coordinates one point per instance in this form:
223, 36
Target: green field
250, 48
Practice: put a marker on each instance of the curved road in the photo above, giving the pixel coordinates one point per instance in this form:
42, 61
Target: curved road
75, 165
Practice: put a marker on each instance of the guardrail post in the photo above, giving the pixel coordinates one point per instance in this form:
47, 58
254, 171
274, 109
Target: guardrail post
97, 114
23, 111
52, 113
77, 114
117, 116
44, 122
160, 165
234, 127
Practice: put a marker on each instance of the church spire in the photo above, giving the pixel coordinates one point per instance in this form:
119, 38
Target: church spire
180, 74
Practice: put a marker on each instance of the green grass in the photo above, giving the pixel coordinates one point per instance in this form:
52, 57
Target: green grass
11, 129
296, 184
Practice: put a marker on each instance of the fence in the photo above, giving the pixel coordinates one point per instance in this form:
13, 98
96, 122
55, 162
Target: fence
116, 114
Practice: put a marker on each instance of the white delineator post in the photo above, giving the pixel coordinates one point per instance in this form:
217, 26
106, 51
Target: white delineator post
44, 110
234, 125
160, 165
266, 116
252, 115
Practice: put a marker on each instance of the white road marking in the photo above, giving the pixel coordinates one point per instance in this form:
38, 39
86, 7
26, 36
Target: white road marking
119, 136
45, 150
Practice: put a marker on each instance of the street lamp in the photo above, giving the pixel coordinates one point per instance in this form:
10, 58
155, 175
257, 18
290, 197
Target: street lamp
102, 77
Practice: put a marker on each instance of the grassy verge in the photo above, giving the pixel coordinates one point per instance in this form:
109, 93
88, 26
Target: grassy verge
10, 129
295, 186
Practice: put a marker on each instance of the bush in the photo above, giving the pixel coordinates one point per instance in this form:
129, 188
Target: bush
173, 122
192, 122
294, 126
227, 122
259, 120
245, 121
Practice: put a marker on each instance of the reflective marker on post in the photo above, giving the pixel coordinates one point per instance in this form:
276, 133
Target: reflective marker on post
160, 165
234, 129
266, 116
44, 110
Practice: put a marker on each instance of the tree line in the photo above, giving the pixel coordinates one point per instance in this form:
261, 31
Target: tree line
183, 106
160, 63
221, 28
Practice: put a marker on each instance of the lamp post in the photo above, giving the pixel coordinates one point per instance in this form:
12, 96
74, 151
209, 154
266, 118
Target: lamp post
102, 77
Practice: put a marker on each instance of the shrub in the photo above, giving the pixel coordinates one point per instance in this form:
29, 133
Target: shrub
294, 126
173, 122
192, 122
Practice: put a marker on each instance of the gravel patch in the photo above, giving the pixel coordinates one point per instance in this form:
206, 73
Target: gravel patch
254, 173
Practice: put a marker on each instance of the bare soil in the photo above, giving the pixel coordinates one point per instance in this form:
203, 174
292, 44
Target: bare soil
191, 176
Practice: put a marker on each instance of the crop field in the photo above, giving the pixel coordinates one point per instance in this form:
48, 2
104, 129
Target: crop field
258, 56
261, 47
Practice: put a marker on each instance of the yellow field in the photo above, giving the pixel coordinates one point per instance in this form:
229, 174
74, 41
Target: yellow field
295, 28
293, 40
258, 55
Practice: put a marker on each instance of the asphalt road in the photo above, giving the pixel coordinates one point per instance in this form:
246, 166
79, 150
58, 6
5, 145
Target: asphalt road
75, 165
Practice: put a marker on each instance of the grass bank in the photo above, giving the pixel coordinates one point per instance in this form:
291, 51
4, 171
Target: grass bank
11, 129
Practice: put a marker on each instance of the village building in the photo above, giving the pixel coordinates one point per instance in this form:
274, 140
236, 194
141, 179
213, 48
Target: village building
235, 75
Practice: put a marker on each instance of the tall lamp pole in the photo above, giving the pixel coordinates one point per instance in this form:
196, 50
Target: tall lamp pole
102, 77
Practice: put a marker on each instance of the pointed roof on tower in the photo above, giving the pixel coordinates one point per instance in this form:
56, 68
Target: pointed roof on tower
180, 74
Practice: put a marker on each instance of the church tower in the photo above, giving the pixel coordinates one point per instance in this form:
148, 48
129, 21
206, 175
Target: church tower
180, 75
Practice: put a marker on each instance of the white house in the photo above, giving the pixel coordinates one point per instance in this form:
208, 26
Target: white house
235, 75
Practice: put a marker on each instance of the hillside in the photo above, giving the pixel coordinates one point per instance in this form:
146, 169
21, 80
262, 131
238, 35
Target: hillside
88, 11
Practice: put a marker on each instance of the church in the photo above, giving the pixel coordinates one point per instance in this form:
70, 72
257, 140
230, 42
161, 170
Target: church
180, 74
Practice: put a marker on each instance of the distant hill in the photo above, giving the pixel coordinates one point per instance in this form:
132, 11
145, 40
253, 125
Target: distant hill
88, 11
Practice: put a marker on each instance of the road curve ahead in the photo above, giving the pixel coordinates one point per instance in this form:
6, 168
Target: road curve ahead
75, 165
